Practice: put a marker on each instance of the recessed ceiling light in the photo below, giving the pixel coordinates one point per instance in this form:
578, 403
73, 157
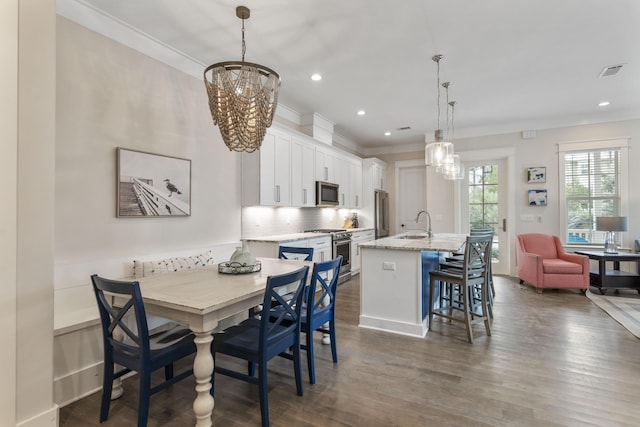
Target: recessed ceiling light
361, 112
387, 133
316, 77
604, 104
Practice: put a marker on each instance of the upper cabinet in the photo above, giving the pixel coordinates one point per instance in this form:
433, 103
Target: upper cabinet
325, 165
375, 173
266, 173
285, 170
303, 184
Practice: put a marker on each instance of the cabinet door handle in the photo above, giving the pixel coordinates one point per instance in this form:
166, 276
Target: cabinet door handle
326, 173
342, 199
504, 224
277, 193
357, 204
304, 196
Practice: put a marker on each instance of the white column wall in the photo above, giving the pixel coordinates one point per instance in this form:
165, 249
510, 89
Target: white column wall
8, 194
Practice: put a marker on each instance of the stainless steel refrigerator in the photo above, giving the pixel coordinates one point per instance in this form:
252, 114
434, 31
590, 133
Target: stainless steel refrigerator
381, 213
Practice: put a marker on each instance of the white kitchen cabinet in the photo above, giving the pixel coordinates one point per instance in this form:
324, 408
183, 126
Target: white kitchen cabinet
358, 237
325, 165
266, 173
342, 178
355, 181
303, 189
321, 248
379, 171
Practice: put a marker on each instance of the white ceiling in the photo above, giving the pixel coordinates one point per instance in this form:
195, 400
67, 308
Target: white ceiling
513, 65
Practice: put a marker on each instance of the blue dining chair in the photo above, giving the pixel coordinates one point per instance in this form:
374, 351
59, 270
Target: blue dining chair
292, 252
258, 340
141, 350
318, 309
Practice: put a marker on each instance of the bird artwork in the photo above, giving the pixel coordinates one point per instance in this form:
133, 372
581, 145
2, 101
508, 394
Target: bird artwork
172, 188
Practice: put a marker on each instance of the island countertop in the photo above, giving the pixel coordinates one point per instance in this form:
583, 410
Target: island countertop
443, 242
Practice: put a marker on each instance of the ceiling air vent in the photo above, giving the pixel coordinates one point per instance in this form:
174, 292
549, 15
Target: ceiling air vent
404, 128
611, 70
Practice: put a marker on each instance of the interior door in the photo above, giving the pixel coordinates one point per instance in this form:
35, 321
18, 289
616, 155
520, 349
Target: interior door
483, 204
411, 184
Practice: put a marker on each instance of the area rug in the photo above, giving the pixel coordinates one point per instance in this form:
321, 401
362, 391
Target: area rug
625, 311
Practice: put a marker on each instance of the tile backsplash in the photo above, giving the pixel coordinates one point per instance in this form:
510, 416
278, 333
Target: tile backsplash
264, 221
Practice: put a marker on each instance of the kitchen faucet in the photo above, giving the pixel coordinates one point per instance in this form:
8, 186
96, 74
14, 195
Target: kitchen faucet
429, 232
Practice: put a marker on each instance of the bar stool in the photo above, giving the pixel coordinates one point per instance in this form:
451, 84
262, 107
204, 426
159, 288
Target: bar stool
460, 284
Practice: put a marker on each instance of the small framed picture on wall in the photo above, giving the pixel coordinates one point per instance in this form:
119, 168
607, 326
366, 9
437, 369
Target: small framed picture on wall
537, 174
537, 197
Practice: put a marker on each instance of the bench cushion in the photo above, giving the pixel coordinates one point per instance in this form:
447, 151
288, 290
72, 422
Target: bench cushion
161, 266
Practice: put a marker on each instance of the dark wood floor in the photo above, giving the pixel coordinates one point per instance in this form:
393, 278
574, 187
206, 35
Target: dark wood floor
555, 359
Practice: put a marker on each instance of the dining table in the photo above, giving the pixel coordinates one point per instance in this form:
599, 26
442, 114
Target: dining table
201, 298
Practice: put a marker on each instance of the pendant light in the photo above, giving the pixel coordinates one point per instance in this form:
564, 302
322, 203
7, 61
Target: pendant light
454, 169
438, 152
242, 98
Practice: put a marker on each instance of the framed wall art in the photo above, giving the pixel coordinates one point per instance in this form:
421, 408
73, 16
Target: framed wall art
152, 185
537, 197
536, 175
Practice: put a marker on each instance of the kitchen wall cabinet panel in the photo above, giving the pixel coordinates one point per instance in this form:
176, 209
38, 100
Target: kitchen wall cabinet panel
266, 173
303, 189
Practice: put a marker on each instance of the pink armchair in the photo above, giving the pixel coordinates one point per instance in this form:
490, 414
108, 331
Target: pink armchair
543, 263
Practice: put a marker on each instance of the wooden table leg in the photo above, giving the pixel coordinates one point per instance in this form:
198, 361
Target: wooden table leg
202, 370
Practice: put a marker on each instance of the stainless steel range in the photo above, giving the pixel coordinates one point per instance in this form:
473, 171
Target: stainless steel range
341, 245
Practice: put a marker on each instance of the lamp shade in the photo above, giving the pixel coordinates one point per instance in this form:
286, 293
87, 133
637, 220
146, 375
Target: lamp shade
611, 223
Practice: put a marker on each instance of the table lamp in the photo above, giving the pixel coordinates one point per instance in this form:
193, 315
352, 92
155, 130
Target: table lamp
611, 224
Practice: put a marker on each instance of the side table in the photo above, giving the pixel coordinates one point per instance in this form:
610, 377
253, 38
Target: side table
604, 279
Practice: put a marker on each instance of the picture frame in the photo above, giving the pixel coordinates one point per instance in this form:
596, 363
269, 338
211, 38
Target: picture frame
152, 185
536, 175
537, 197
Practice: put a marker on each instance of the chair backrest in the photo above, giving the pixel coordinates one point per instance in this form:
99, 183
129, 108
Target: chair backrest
135, 341
477, 254
292, 252
286, 292
321, 293
540, 244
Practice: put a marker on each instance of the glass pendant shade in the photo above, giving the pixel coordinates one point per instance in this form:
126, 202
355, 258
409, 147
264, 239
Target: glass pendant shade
438, 153
454, 170
242, 99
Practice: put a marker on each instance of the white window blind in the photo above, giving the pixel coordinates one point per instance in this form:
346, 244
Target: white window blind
592, 184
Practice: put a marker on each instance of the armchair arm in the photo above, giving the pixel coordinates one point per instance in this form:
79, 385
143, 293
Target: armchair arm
530, 268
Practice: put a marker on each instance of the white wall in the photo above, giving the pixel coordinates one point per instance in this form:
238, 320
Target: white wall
543, 151
109, 96
9, 194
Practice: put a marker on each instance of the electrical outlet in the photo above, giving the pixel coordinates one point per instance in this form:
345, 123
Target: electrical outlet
387, 265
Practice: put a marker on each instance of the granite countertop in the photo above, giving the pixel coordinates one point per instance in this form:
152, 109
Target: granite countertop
291, 237
443, 242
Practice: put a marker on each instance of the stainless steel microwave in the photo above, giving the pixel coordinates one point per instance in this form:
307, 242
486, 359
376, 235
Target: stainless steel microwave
327, 194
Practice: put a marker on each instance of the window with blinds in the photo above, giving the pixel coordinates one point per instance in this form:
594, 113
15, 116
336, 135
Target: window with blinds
592, 189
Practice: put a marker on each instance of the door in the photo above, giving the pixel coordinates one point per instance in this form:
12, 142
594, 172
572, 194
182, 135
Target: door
412, 195
483, 204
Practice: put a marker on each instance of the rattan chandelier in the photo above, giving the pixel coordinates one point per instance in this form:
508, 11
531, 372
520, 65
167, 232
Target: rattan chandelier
242, 97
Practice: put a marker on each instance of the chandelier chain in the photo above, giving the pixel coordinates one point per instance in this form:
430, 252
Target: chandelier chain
244, 45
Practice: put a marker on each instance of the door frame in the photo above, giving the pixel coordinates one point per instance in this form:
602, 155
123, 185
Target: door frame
507, 154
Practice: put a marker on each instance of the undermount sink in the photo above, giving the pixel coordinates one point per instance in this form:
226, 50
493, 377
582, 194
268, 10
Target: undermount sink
412, 236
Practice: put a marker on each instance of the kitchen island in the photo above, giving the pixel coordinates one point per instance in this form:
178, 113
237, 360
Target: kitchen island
392, 280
